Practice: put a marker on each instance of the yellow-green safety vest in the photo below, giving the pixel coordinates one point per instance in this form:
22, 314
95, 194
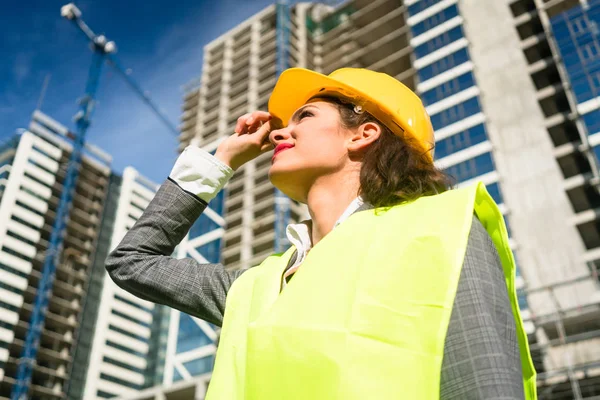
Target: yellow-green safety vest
366, 314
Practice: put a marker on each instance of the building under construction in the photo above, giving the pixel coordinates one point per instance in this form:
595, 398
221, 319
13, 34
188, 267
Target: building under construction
33, 166
559, 42
511, 87
98, 340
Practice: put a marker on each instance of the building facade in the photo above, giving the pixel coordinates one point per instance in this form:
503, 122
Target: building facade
33, 170
559, 41
99, 341
127, 344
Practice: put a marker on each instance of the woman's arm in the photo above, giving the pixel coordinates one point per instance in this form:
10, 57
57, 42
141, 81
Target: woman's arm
142, 262
481, 353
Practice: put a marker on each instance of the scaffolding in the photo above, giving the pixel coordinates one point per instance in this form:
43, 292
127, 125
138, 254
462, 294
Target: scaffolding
563, 342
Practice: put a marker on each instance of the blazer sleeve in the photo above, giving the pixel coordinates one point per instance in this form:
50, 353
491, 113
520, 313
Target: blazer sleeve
481, 353
142, 262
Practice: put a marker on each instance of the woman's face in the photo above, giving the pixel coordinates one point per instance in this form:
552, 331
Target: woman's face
318, 149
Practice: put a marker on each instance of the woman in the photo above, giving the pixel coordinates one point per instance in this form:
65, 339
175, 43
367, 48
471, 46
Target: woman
408, 288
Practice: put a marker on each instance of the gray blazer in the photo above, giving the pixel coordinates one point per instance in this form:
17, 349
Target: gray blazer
481, 354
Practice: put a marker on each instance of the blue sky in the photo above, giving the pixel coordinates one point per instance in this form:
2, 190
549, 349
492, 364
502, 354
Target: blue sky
161, 41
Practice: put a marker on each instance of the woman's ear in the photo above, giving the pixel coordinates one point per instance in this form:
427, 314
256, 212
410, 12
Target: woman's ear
364, 136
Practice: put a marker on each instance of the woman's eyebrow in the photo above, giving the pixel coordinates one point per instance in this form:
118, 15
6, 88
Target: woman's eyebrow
299, 111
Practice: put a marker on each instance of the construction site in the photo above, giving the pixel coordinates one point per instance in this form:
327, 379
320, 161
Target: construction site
429, 46
512, 89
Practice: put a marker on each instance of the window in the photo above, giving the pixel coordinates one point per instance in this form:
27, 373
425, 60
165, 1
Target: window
435, 20
10, 288
592, 121
127, 333
40, 166
4, 267
16, 253
472, 168
448, 88
23, 222
576, 33
105, 395
125, 349
579, 25
494, 191
444, 64
42, 152
460, 141
119, 381
589, 52
122, 365
129, 318
34, 194
455, 113
19, 237
8, 306
200, 366
28, 208
190, 336
131, 303
439, 41
420, 6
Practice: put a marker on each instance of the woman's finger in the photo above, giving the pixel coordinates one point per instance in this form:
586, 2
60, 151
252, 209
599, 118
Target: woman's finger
258, 116
262, 136
240, 126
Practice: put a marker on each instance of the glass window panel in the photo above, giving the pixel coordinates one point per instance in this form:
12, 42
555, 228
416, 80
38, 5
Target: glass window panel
190, 336
439, 41
176, 375
592, 121
472, 168
455, 113
442, 65
200, 366
420, 6
448, 88
576, 33
460, 141
435, 20
494, 191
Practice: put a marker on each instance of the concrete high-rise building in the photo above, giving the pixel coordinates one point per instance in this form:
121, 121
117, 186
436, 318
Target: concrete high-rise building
33, 165
558, 48
238, 76
120, 361
512, 90
98, 341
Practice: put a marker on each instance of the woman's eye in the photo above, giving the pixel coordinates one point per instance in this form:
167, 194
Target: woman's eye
304, 114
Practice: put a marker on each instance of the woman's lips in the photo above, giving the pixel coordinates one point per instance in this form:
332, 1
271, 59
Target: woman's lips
280, 149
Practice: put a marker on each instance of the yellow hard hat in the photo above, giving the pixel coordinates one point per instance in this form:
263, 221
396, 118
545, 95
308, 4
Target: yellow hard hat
382, 96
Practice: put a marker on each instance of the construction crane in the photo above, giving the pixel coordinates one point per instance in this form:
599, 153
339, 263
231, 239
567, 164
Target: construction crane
282, 202
103, 50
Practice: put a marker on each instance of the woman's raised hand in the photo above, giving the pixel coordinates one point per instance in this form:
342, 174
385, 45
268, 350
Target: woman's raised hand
251, 139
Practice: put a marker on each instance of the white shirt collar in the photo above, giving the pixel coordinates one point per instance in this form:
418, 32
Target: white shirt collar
298, 234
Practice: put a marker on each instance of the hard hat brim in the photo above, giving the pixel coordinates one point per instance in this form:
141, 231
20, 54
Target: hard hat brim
296, 86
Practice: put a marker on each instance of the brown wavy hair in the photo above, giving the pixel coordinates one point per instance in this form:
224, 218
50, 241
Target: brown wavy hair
394, 169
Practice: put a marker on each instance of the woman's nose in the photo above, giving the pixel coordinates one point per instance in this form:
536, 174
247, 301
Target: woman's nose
279, 135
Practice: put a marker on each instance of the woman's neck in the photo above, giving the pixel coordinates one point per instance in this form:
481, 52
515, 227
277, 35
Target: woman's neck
327, 200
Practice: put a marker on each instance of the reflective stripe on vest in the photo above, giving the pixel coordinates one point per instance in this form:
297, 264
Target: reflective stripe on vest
366, 315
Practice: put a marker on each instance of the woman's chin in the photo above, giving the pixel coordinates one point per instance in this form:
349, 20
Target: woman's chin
286, 182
